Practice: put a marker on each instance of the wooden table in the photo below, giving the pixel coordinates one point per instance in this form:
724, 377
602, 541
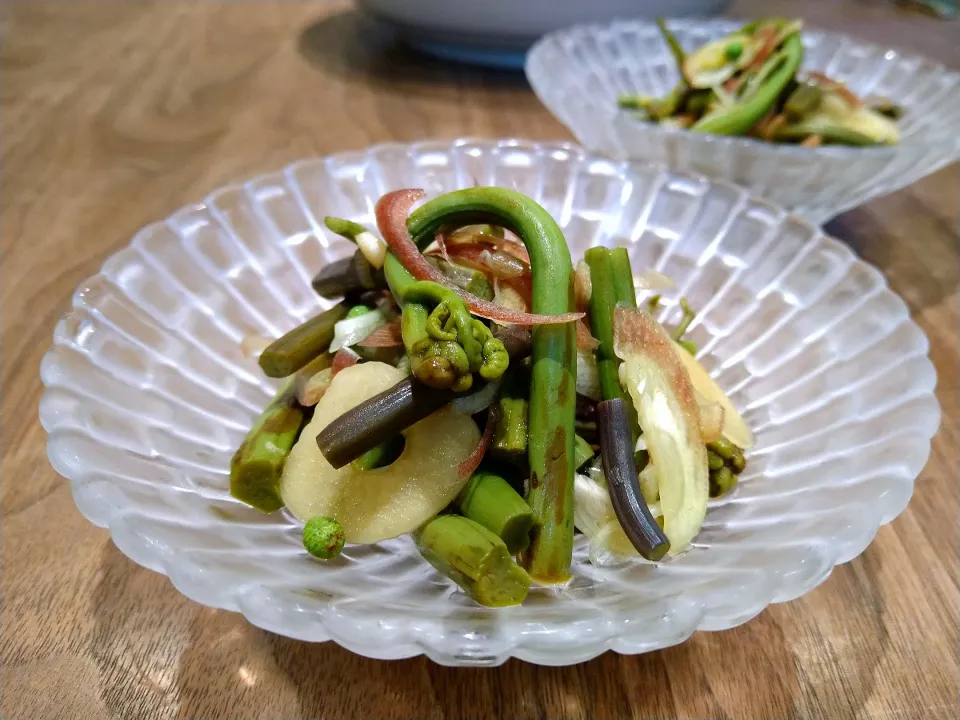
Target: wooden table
115, 114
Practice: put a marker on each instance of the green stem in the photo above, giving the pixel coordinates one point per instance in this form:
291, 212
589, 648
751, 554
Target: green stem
688, 316
553, 384
257, 464
582, 452
489, 500
679, 56
474, 558
737, 120
510, 433
381, 455
287, 354
603, 300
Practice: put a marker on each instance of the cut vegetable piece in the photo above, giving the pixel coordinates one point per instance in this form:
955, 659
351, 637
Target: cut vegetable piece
511, 421
351, 330
312, 380
292, 351
257, 464
595, 518
489, 500
385, 336
475, 559
592, 508
379, 504
668, 413
371, 422
616, 448
734, 428
582, 452
711, 420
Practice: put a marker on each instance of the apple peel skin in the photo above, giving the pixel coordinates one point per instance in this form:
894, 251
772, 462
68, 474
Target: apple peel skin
668, 413
375, 505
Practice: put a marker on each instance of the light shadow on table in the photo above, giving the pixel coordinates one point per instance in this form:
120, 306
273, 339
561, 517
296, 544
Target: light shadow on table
350, 46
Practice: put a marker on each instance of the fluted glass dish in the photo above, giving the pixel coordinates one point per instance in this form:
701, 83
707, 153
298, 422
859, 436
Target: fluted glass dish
148, 393
579, 72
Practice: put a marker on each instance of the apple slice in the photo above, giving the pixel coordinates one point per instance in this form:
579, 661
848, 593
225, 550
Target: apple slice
375, 505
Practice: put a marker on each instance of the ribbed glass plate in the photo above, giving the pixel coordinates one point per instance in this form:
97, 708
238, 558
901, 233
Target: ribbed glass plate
579, 72
148, 393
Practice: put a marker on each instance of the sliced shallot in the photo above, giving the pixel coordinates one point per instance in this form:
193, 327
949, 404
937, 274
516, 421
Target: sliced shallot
391, 213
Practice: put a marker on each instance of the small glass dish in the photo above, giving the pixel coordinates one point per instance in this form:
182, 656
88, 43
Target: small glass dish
579, 72
148, 393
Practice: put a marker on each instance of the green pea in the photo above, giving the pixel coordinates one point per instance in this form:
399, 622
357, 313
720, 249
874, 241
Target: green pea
358, 310
734, 50
323, 537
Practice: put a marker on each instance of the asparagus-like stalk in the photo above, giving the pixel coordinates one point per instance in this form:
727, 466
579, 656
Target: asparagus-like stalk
379, 419
287, 354
553, 378
474, 558
489, 500
612, 281
510, 432
582, 452
348, 276
381, 455
623, 285
257, 464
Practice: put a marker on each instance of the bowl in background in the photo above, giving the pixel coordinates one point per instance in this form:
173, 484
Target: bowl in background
498, 33
148, 393
579, 72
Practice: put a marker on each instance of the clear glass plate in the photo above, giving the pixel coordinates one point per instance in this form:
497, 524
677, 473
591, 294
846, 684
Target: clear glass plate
579, 72
148, 393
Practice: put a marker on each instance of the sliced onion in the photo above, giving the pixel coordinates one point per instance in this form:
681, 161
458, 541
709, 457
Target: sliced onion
649, 487
591, 505
470, 234
664, 398
252, 345
344, 358
593, 515
507, 296
582, 284
386, 336
310, 389
588, 376
711, 420
352, 330
467, 467
768, 39
484, 258
391, 212
585, 341
373, 248
480, 400
652, 280
734, 428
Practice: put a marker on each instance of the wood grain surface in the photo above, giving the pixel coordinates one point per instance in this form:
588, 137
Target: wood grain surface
116, 114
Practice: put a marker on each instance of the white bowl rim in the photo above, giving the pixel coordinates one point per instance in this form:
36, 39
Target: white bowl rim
839, 152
